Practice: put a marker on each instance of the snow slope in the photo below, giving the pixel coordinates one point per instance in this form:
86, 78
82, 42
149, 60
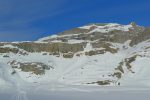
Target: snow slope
83, 71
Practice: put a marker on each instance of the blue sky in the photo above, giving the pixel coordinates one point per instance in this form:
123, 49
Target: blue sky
23, 20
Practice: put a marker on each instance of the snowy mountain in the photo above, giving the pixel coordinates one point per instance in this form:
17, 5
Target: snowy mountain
108, 54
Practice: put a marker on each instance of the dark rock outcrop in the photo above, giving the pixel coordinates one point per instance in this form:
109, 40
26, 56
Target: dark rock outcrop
37, 68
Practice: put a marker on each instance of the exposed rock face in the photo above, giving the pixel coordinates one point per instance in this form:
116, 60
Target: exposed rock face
7, 50
50, 47
105, 82
106, 46
95, 52
37, 68
68, 55
143, 36
75, 31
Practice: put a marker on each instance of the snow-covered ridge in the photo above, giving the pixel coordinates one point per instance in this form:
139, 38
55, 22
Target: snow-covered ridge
45, 38
99, 25
107, 27
89, 29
